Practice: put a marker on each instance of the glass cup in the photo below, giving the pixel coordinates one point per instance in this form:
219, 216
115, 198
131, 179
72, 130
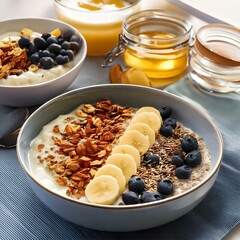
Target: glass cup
100, 27
215, 58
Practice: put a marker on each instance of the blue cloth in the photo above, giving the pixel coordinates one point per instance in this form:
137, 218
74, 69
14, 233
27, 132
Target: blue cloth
23, 216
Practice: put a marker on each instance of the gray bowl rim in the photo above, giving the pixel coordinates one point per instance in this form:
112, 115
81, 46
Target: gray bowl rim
196, 107
84, 47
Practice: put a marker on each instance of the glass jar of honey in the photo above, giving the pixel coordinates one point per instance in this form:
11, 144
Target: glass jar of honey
157, 42
215, 58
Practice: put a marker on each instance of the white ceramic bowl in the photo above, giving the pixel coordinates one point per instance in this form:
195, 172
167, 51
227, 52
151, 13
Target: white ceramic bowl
29, 95
124, 217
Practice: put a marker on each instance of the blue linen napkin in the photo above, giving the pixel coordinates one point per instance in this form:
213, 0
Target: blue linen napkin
23, 216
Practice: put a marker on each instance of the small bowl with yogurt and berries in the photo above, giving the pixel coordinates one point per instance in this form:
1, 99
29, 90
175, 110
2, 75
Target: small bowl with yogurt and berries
40, 58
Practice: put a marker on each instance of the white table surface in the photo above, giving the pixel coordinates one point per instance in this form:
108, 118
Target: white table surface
45, 8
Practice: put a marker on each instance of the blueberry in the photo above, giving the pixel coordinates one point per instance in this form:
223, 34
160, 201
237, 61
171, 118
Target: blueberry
32, 48
47, 62
166, 130
65, 45
165, 187
67, 35
178, 158
70, 54
24, 42
170, 121
189, 144
151, 158
183, 172
34, 58
60, 40
52, 40
150, 197
130, 198
75, 38
193, 158
61, 59
46, 35
54, 48
136, 184
75, 47
40, 43
45, 53
63, 52
165, 112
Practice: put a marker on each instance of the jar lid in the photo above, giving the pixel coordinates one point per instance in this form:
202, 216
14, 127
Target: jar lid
219, 43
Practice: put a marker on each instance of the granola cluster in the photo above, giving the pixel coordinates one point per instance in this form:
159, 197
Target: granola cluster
85, 144
13, 59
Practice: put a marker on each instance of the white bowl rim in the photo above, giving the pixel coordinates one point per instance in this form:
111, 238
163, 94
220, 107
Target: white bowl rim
134, 206
84, 46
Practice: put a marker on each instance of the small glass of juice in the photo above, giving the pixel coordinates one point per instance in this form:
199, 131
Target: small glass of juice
158, 43
99, 21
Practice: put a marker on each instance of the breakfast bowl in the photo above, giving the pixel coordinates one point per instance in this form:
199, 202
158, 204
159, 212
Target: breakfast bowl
32, 73
118, 216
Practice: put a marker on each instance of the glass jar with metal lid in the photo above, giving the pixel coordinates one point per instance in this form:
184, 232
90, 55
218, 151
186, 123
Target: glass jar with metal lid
157, 42
215, 58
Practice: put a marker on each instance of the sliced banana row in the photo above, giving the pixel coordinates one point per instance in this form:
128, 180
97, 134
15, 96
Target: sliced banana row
110, 180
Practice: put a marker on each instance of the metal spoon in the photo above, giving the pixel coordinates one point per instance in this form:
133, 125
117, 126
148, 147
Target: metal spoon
9, 138
9, 141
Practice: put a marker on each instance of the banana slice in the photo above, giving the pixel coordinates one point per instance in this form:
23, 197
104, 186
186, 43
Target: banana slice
125, 162
144, 129
102, 190
135, 139
114, 171
148, 109
128, 149
150, 118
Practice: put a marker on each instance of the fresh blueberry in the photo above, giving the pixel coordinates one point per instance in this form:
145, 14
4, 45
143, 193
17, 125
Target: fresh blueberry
178, 158
165, 187
193, 158
54, 48
183, 172
67, 35
166, 130
70, 54
32, 48
24, 42
165, 112
150, 197
63, 52
130, 198
151, 158
75, 38
60, 40
45, 53
75, 47
136, 184
189, 144
52, 40
171, 122
62, 59
40, 43
46, 35
34, 58
65, 45
47, 62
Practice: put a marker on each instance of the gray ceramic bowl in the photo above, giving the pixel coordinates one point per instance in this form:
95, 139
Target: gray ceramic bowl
122, 218
29, 95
